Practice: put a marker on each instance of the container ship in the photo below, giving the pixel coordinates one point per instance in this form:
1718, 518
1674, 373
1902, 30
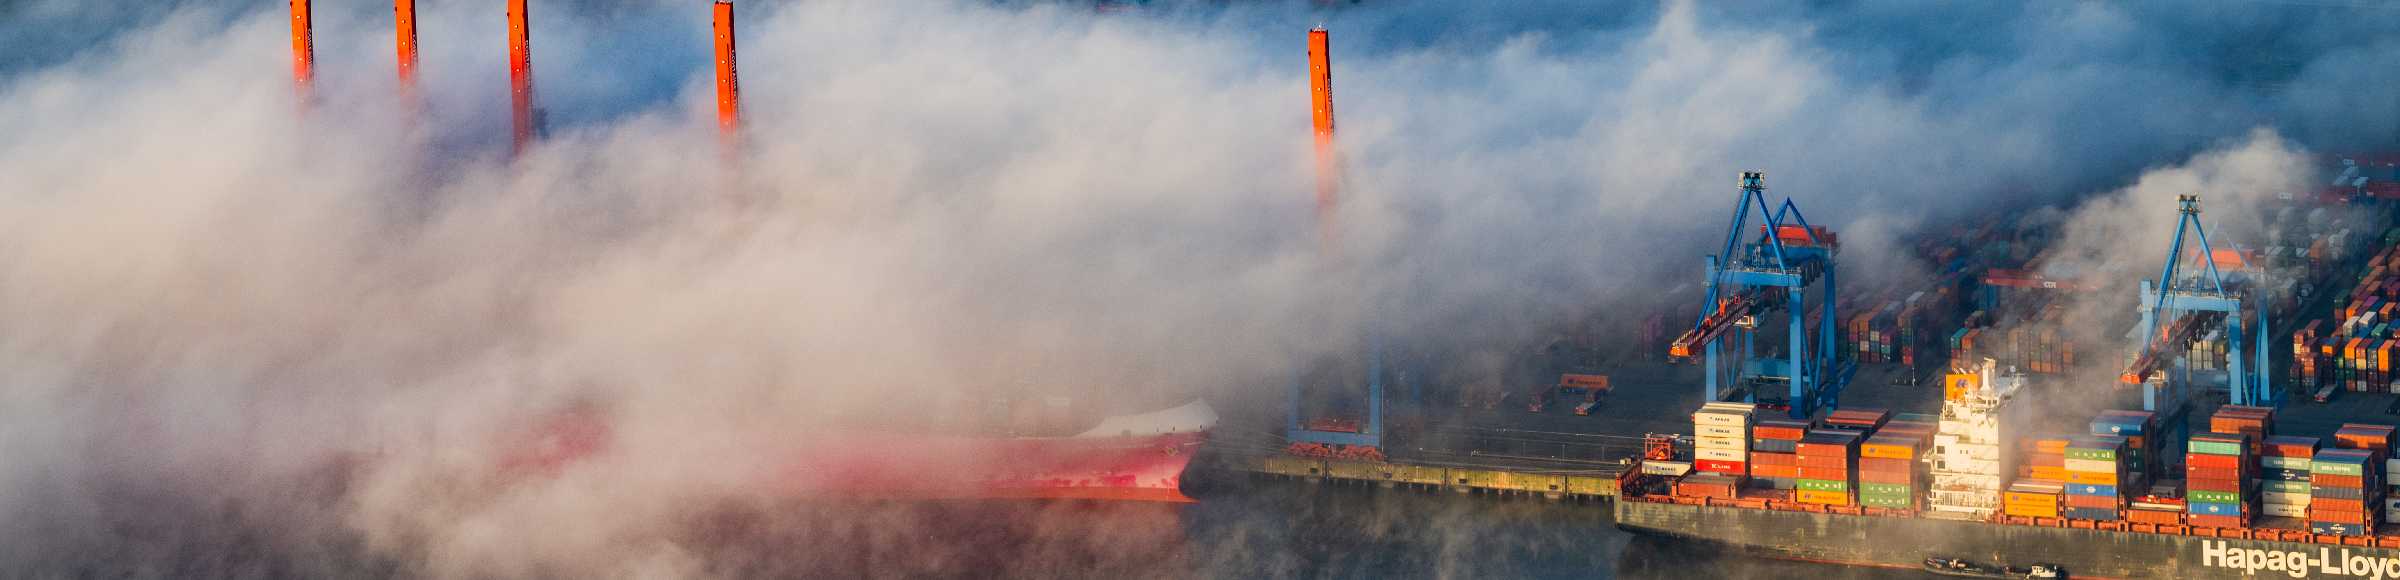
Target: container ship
1868, 487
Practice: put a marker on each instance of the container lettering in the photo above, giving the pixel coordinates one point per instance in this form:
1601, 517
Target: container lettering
2296, 564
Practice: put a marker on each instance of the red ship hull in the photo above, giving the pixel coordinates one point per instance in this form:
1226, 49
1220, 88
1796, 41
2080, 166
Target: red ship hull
1128, 468
1137, 458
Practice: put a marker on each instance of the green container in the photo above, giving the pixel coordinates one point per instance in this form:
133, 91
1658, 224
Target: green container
1883, 488
2092, 454
2331, 468
1824, 485
2216, 448
2213, 496
1902, 502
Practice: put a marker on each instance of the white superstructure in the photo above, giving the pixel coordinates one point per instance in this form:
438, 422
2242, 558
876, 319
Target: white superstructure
1974, 452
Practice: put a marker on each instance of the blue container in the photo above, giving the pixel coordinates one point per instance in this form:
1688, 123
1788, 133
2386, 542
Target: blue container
2283, 474
2337, 529
2091, 489
2209, 508
2087, 513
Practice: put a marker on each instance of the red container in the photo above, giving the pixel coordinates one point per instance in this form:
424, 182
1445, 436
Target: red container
1842, 463
1718, 466
1779, 459
1886, 464
1824, 473
2199, 460
2336, 517
2211, 484
2217, 521
1778, 471
1885, 477
2196, 472
2331, 480
2327, 504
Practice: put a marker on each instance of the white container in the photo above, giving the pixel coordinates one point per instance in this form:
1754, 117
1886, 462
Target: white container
2284, 463
1721, 442
1666, 467
1719, 454
2283, 511
2283, 498
1720, 431
1720, 419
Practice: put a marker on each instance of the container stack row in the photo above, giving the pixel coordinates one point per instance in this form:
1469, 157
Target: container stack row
2097, 468
2216, 468
2036, 343
1828, 462
2342, 483
2283, 486
1889, 331
2253, 422
2356, 350
1889, 472
2139, 428
1721, 439
1774, 453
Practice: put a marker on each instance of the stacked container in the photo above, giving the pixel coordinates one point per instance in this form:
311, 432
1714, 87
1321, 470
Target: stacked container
1774, 448
2216, 467
2141, 448
2096, 471
2046, 460
2283, 488
2162, 505
1828, 458
1709, 485
1860, 420
2376, 439
1888, 466
2254, 422
1721, 438
2032, 499
2342, 483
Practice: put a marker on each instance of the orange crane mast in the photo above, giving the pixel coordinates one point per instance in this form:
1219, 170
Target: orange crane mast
729, 86
520, 78
304, 57
404, 31
1320, 89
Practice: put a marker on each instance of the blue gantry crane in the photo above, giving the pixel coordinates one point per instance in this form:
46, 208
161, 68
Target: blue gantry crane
1760, 272
2189, 301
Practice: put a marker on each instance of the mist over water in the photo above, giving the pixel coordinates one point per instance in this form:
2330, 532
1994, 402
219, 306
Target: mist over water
216, 299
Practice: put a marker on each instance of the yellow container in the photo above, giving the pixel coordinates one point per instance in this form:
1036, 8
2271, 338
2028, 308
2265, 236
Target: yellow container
2050, 473
2026, 511
2091, 478
2024, 497
1822, 497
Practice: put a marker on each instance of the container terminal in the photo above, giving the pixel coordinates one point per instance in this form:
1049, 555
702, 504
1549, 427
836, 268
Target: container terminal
1966, 422
1972, 422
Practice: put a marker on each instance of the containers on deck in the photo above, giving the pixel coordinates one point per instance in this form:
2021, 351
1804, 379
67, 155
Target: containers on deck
2216, 467
1721, 438
1828, 459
